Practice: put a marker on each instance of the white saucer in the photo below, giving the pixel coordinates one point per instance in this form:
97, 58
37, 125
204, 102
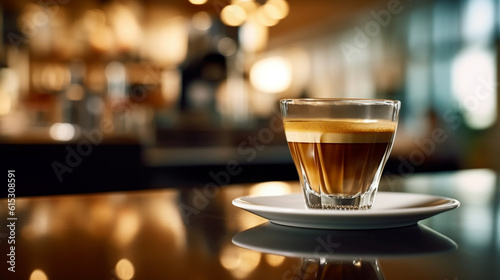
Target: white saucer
390, 210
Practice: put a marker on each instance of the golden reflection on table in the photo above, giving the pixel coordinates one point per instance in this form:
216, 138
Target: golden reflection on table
188, 234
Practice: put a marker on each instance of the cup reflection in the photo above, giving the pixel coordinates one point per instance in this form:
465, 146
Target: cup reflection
340, 269
343, 254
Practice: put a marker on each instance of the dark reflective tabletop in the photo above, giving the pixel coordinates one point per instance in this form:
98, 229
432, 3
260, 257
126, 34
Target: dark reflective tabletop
196, 233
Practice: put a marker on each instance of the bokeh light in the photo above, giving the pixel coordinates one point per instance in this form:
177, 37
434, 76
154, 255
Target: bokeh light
233, 15
271, 75
240, 262
201, 21
270, 188
38, 274
474, 86
124, 269
62, 131
197, 2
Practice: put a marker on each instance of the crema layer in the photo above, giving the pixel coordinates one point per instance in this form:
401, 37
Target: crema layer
339, 131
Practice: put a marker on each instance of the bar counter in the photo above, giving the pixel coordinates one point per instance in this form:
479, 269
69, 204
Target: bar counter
196, 233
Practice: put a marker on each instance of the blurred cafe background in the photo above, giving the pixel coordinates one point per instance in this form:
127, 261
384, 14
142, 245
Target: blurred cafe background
108, 95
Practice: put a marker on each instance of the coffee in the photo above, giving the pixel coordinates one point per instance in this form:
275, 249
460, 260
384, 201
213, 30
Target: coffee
339, 156
340, 147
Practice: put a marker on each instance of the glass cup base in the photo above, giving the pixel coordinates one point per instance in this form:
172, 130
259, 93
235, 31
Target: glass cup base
338, 202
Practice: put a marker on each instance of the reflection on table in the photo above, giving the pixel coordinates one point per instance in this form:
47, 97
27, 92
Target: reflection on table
188, 234
347, 254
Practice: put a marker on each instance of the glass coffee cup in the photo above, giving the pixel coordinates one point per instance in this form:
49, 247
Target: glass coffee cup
340, 147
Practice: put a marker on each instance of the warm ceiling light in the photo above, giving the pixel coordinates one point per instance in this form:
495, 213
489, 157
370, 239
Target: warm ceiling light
253, 35
167, 41
264, 18
233, 15
249, 6
125, 25
271, 75
277, 9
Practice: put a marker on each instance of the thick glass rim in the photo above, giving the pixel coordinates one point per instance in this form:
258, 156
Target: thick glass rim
346, 101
